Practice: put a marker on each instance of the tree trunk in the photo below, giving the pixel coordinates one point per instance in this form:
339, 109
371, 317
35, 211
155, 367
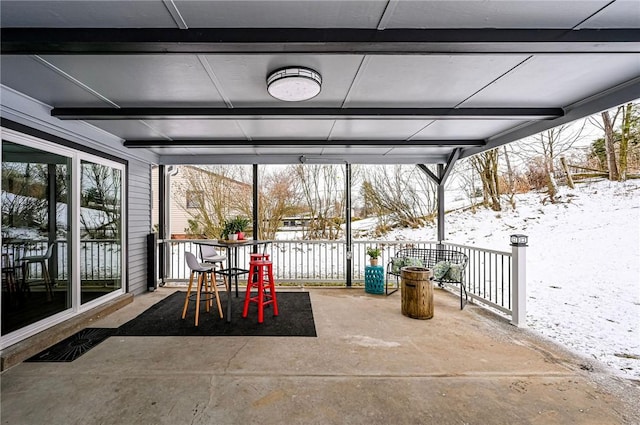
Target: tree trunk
486, 164
609, 140
566, 171
624, 141
512, 184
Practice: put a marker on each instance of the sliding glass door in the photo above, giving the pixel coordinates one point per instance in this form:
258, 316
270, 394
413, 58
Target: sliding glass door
35, 235
62, 233
100, 230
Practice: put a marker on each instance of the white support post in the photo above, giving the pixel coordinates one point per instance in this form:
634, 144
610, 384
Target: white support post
519, 280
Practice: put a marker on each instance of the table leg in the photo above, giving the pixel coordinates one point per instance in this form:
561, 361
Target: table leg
235, 260
229, 264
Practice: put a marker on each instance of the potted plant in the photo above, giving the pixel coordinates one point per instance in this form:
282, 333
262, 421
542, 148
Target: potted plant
374, 253
240, 225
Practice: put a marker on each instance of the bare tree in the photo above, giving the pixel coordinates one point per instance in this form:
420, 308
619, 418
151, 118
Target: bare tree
608, 123
211, 195
321, 188
551, 145
101, 196
618, 160
399, 196
625, 136
276, 200
486, 164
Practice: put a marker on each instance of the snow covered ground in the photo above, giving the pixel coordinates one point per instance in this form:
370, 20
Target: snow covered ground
583, 265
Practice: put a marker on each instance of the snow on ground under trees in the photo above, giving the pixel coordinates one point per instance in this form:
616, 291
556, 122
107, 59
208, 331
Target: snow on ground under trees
583, 264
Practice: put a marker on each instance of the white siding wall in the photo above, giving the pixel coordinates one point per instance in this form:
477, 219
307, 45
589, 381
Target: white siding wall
139, 220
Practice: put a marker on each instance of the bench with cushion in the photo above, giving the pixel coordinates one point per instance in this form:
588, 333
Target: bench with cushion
448, 266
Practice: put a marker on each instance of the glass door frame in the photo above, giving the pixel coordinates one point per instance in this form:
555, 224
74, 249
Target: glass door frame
76, 157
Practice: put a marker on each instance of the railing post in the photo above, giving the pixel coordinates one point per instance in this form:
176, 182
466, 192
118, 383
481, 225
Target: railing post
519, 280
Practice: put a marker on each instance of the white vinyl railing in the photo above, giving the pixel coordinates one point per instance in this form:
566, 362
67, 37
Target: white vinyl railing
489, 276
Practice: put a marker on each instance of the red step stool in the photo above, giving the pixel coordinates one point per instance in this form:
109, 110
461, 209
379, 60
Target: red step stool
261, 278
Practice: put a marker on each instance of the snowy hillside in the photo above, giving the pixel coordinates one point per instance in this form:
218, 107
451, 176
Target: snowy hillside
583, 265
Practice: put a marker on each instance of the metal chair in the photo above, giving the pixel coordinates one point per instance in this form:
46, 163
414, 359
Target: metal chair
42, 259
201, 270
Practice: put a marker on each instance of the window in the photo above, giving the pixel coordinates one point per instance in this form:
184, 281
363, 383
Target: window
194, 199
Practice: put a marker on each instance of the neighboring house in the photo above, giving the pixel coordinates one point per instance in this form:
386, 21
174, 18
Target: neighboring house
183, 204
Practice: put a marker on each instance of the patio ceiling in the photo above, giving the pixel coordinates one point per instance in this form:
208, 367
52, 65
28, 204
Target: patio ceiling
417, 82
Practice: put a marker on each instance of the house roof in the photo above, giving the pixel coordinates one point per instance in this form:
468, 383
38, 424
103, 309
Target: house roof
417, 82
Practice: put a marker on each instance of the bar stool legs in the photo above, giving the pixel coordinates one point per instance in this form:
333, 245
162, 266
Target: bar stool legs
261, 278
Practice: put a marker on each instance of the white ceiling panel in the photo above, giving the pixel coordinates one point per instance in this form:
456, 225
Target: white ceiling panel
287, 129
244, 77
88, 14
145, 80
376, 129
133, 129
619, 14
282, 14
198, 129
557, 80
492, 13
426, 81
29, 76
464, 129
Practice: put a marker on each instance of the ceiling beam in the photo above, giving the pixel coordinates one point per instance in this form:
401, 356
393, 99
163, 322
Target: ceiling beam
316, 40
159, 113
140, 144
280, 158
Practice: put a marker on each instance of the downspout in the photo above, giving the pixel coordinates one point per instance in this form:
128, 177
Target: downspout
164, 217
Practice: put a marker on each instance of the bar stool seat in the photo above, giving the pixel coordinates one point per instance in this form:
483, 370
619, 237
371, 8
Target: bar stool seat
261, 278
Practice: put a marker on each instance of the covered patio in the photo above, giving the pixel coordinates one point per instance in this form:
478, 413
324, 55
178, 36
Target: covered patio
161, 83
369, 364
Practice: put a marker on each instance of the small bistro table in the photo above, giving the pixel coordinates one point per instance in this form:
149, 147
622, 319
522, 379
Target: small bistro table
374, 279
232, 270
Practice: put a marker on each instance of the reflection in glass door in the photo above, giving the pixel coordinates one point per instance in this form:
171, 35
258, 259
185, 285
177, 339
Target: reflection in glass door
35, 235
100, 230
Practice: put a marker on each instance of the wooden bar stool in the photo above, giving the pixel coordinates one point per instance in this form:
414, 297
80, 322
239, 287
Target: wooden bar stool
208, 284
261, 278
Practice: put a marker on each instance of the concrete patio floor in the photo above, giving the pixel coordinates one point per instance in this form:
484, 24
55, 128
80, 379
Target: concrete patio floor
368, 365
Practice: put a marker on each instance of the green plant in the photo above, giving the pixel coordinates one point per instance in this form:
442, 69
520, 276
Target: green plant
374, 252
225, 230
240, 223
234, 225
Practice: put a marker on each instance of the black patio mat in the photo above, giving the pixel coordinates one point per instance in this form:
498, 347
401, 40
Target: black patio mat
295, 318
73, 347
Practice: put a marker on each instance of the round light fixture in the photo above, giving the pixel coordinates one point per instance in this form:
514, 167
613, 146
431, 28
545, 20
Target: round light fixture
293, 84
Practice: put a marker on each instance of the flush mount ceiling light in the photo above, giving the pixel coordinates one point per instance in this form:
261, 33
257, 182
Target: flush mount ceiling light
294, 84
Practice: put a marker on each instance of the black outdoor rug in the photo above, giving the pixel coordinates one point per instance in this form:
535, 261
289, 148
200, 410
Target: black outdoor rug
295, 318
73, 347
